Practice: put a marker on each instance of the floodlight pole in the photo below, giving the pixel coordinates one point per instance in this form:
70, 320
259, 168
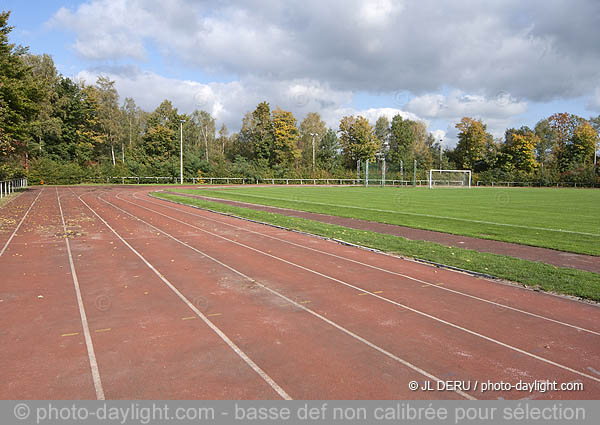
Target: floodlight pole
415, 174
401, 171
313, 150
441, 154
366, 173
181, 151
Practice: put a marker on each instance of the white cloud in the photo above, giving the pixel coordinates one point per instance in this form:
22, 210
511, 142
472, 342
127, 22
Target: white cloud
227, 102
439, 135
497, 112
492, 60
535, 50
458, 104
106, 29
594, 101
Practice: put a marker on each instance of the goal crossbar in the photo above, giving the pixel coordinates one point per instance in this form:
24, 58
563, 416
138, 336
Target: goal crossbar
461, 182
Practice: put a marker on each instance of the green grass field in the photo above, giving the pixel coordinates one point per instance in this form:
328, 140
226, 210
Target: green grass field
562, 219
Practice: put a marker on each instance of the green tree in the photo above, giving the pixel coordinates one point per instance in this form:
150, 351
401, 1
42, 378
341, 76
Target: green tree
243, 143
205, 127
19, 95
160, 143
45, 123
358, 139
402, 140
382, 130
132, 121
109, 113
262, 134
328, 152
548, 138
312, 124
223, 140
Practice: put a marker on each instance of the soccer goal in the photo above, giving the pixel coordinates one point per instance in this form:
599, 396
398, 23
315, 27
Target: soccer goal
449, 178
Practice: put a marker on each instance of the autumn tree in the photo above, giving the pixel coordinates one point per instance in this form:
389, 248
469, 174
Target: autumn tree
519, 150
285, 139
472, 139
583, 145
420, 149
576, 140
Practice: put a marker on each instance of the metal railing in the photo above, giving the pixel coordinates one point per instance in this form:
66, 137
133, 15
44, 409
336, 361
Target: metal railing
534, 184
9, 186
260, 180
257, 180
334, 181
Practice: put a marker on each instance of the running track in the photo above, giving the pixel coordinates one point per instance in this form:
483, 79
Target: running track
109, 293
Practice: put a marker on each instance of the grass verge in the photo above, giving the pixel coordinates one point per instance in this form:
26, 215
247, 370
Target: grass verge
578, 283
7, 199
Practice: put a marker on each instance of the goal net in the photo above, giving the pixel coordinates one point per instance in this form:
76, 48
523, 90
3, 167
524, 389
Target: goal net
449, 178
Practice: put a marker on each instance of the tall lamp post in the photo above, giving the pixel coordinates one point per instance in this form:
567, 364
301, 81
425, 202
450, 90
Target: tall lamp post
181, 151
313, 149
441, 140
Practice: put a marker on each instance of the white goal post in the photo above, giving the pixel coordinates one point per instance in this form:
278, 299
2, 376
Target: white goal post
449, 178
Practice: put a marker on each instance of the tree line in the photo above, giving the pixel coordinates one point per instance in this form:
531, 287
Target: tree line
58, 130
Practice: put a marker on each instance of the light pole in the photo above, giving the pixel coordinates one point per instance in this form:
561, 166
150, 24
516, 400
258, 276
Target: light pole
313, 149
441, 140
181, 151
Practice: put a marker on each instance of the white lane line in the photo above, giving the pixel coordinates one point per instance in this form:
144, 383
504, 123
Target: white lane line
218, 331
579, 328
20, 223
303, 307
417, 215
84, 322
376, 296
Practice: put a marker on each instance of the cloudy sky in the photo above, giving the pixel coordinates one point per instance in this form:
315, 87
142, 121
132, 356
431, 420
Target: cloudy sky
506, 62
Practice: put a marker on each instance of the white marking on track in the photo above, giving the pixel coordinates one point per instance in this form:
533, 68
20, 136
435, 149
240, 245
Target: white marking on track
567, 368
84, 322
215, 329
20, 223
435, 285
299, 305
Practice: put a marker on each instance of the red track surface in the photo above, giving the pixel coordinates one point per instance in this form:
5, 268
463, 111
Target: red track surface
178, 302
